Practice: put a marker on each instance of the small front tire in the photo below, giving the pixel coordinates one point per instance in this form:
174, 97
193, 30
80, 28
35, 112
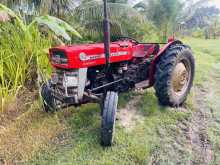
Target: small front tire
49, 104
108, 118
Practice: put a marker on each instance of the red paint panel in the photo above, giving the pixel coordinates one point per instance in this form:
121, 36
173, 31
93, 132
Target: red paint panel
120, 51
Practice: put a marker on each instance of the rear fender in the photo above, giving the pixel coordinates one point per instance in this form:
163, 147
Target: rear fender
157, 57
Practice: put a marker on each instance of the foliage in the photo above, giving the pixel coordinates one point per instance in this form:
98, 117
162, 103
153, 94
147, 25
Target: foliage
19, 58
12, 14
200, 17
90, 15
164, 15
145, 32
59, 27
22, 48
198, 33
141, 6
29, 8
167, 15
212, 30
197, 15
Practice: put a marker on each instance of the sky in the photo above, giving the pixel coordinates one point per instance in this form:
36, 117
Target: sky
216, 3
213, 2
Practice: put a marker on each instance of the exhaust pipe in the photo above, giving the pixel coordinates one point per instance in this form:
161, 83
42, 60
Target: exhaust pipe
106, 30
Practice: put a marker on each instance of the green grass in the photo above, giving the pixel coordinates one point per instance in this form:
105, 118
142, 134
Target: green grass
153, 139
207, 54
133, 147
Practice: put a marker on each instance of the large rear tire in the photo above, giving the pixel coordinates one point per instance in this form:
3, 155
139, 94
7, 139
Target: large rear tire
174, 75
108, 118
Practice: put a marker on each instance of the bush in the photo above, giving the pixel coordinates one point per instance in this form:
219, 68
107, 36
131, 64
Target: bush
20, 58
198, 33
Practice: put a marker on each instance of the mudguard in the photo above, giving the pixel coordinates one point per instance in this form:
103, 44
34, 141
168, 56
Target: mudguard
157, 57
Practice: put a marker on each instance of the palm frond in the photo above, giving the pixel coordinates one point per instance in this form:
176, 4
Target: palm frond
94, 11
97, 26
141, 6
91, 14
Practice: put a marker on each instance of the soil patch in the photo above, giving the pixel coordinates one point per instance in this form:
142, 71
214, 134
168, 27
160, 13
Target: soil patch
198, 136
129, 116
16, 107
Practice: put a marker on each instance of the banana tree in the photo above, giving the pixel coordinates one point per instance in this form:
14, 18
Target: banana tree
22, 56
60, 28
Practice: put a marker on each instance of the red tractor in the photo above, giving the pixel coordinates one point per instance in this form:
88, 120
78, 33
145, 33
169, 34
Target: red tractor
98, 72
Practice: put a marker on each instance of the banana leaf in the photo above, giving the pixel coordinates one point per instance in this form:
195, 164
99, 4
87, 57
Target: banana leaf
56, 25
12, 14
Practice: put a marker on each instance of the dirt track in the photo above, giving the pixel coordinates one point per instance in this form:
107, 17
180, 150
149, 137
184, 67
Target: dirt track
201, 149
193, 131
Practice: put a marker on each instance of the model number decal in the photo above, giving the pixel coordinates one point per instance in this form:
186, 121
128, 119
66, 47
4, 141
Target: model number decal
84, 57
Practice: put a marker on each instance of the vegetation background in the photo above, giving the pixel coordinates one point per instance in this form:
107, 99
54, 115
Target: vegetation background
150, 134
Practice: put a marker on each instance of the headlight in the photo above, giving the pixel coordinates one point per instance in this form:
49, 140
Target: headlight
59, 57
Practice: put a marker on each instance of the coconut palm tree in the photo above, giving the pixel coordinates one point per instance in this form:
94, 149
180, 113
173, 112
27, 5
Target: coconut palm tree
90, 15
125, 19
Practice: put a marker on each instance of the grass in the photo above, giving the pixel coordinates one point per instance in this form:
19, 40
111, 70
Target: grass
206, 54
134, 147
208, 75
72, 136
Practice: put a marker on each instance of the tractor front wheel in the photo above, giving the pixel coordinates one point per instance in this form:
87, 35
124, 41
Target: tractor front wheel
49, 103
174, 75
109, 109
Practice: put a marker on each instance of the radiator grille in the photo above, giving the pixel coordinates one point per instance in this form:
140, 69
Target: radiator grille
59, 87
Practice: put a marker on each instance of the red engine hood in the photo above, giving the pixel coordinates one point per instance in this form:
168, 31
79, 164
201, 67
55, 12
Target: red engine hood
88, 55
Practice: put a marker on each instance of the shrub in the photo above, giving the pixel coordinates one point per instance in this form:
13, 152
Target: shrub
198, 33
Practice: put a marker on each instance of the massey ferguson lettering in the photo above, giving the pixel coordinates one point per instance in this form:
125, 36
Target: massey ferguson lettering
84, 57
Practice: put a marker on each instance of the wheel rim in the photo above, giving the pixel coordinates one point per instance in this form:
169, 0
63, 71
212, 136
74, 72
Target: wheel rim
180, 78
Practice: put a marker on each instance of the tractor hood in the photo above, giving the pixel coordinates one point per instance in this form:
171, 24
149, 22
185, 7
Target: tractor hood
88, 55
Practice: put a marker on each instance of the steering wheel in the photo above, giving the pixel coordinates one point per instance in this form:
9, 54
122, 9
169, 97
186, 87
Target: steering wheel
128, 39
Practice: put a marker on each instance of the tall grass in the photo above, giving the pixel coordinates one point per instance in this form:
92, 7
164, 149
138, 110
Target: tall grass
21, 57
22, 50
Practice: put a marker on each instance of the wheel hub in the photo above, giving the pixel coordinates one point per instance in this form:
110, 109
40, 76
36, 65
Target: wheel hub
180, 78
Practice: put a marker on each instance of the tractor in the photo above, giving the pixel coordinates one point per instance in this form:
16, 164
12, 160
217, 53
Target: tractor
97, 73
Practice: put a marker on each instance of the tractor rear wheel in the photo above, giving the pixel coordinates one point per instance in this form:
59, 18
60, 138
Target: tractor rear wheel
174, 75
109, 109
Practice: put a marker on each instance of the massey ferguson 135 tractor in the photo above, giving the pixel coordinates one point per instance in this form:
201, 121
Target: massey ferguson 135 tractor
98, 72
